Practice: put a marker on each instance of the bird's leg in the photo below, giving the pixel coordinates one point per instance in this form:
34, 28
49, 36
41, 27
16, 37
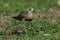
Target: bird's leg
23, 20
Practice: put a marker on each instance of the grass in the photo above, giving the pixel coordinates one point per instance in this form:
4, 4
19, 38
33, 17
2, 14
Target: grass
45, 25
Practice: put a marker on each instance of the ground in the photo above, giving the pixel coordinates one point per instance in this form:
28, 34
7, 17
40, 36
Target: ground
44, 26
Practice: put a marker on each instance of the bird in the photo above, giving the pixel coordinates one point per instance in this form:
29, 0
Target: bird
26, 15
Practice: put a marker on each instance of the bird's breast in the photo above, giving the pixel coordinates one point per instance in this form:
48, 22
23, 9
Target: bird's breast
29, 17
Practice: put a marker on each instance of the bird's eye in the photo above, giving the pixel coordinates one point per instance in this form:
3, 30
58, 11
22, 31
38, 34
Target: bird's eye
29, 9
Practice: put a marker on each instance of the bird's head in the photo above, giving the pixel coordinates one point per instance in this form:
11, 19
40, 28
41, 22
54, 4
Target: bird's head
30, 9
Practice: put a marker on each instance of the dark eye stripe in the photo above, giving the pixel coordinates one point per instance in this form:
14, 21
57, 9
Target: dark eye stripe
29, 9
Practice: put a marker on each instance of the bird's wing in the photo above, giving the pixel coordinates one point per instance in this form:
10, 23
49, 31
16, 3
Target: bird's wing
23, 14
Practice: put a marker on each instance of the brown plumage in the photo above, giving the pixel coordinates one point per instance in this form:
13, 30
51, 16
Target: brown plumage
26, 15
